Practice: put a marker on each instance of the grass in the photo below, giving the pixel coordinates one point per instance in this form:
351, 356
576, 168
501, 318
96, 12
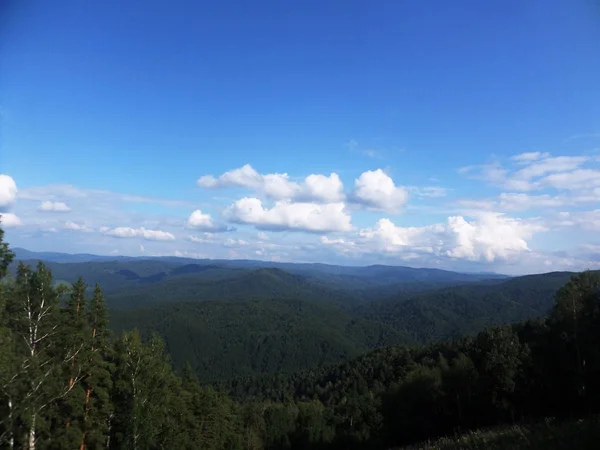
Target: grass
548, 435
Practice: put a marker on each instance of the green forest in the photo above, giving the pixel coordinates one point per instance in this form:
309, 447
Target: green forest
500, 364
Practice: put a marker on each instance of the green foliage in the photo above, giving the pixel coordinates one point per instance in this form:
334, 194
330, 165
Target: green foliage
264, 336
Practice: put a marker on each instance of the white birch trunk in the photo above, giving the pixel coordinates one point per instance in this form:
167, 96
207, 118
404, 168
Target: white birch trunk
11, 438
31, 443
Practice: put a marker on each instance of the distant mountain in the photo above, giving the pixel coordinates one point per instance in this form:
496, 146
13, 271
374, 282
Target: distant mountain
227, 284
23, 254
116, 273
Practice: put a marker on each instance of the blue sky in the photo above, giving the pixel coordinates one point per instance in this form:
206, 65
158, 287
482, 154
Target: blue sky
410, 116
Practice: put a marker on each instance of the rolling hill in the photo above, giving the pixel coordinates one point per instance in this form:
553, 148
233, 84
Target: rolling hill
455, 311
278, 333
225, 339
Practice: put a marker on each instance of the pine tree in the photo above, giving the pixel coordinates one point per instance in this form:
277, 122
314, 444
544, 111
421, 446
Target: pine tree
8, 357
97, 380
6, 254
73, 340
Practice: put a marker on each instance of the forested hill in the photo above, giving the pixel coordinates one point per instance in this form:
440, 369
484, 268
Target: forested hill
459, 310
285, 333
117, 273
258, 317
221, 340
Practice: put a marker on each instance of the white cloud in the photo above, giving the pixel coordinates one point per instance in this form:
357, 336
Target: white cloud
292, 216
391, 238
580, 179
263, 236
100, 197
529, 156
236, 243
9, 220
377, 190
562, 181
206, 238
8, 191
201, 221
77, 227
50, 206
428, 191
522, 202
488, 237
549, 165
493, 173
537, 171
587, 220
150, 235
325, 188
278, 186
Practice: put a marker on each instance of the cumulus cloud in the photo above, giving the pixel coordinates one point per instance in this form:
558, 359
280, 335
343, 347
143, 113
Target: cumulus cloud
9, 220
290, 216
488, 237
279, 186
393, 238
149, 235
201, 221
8, 191
50, 206
377, 190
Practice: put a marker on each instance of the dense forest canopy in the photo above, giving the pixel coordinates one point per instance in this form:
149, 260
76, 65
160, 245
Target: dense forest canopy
67, 381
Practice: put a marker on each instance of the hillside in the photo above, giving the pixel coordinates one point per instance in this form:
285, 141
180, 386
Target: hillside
215, 283
459, 310
284, 322
226, 339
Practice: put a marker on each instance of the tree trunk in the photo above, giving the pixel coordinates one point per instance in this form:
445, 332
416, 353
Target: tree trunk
31, 440
11, 438
109, 420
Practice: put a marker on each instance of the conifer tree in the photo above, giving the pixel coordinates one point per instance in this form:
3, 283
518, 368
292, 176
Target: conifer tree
97, 379
73, 341
8, 356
